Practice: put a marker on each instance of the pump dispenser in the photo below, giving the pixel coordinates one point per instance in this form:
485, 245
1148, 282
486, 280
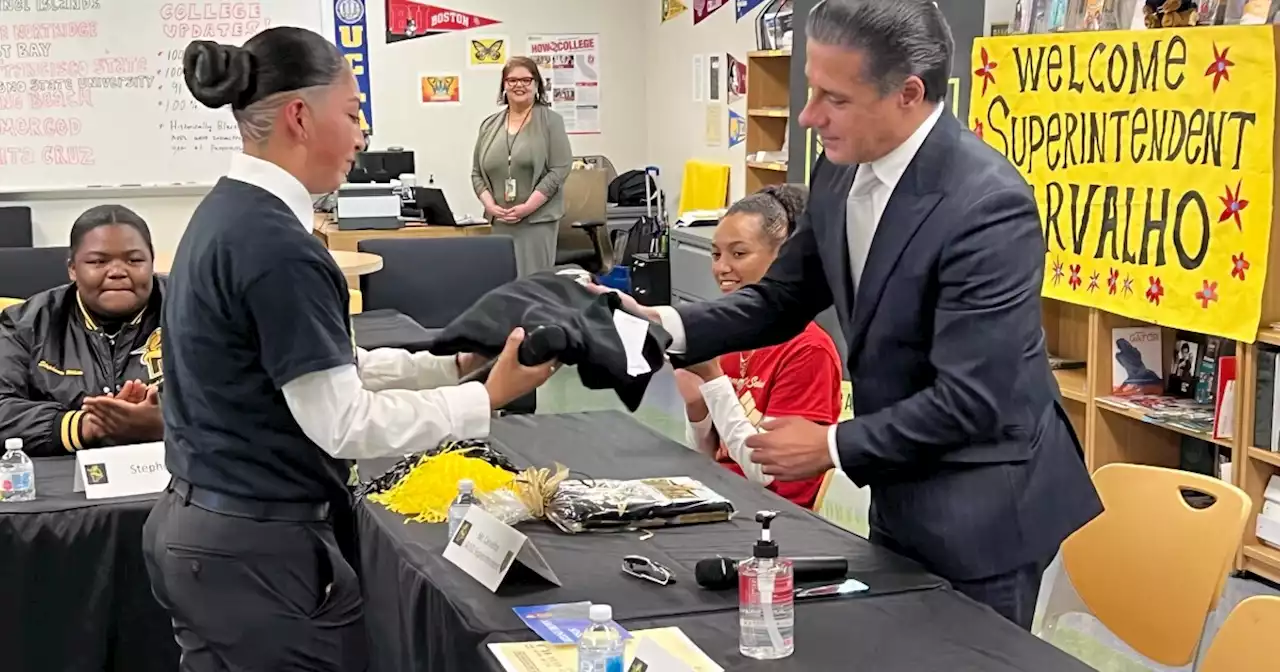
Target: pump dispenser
766, 594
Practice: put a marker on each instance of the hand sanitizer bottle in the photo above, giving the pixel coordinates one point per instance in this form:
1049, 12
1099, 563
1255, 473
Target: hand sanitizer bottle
766, 599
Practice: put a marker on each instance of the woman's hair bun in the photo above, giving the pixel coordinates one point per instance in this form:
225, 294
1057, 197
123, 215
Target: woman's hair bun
217, 74
792, 197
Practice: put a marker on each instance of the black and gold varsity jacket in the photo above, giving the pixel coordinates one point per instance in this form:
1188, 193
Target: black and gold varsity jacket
53, 355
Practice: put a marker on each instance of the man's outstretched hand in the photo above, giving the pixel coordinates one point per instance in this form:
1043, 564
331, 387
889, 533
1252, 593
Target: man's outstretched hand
791, 449
629, 303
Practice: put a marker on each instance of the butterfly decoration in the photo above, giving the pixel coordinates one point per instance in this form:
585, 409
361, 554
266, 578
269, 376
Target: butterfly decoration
487, 52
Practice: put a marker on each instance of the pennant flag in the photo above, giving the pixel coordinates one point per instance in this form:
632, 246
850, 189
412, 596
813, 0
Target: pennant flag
704, 8
737, 129
745, 6
408, 19
672, 8
737, 78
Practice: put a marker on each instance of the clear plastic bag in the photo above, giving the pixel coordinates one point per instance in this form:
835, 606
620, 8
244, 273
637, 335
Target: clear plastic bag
505, 506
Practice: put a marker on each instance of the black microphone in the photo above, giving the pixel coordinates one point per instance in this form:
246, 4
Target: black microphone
540, 345
722, 573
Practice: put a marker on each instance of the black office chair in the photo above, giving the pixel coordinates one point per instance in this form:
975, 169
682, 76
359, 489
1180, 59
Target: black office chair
27, 271
433, 280
15, 226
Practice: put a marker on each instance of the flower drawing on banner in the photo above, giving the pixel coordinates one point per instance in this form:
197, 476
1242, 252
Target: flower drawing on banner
1209, 292
1239, 265
1219, 67
985, 72
1075, 280
1093, 282
1113, 282
1155, 291
1057, 271
1128, 285
1232, 205
977, 128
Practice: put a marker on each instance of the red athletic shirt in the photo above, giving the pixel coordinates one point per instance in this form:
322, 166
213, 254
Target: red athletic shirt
798, 378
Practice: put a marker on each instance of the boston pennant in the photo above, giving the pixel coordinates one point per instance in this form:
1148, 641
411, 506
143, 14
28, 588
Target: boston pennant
408, 19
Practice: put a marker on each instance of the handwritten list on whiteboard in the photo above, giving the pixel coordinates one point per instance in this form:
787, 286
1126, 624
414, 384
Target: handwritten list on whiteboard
92, 94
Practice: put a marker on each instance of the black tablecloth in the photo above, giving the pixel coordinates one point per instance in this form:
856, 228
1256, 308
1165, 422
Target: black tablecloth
76, 591
425, 614
934, 630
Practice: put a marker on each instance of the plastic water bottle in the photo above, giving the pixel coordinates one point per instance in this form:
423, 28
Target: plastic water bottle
17, 474
600, 649
461, 504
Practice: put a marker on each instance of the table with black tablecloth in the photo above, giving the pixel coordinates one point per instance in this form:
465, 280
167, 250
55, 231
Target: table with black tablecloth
77, 597
425, 614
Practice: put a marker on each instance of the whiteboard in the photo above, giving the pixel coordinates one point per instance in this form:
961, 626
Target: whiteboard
91, 91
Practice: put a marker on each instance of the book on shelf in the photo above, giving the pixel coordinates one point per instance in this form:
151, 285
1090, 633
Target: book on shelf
1207, 383
1162, 409
1224, 413
1138, 361
1264, 397
1182, 371
1057, 363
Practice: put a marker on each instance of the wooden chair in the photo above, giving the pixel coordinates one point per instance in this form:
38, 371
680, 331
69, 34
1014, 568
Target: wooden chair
356, 305
1152, 567
1245, 641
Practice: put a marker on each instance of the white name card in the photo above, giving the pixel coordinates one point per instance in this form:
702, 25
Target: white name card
485, 548
121, 471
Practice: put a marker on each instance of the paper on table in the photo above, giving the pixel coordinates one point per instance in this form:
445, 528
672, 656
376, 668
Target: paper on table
544, 657
632, 330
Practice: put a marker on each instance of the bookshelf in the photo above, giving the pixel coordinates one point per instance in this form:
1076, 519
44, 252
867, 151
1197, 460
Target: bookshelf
1116, 433
768, 114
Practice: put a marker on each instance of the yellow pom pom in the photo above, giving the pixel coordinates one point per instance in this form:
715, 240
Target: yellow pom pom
424, 494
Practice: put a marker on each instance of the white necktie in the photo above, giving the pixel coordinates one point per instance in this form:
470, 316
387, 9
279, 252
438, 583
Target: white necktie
860, 224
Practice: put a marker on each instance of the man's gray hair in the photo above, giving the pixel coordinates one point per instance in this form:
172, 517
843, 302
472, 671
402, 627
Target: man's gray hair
898, 38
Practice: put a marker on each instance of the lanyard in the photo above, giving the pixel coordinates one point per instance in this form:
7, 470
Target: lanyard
511, 139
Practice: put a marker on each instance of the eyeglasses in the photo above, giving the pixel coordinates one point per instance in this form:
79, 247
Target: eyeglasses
519, 81
643, 568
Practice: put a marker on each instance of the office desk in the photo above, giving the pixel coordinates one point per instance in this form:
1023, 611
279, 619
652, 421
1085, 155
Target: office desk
348, 241
352, 263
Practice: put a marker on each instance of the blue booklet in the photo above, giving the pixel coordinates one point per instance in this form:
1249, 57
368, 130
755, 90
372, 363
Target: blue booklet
560, 623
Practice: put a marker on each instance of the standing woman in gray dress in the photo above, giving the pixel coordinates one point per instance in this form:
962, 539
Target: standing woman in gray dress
522, 158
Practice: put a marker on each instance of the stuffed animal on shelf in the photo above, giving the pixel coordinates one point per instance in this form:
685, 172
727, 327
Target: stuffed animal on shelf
1170, 13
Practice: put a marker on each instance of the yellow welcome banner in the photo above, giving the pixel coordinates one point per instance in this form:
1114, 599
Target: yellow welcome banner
1150, 153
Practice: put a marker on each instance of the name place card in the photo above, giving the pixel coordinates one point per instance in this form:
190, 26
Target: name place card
485, 548
121, 471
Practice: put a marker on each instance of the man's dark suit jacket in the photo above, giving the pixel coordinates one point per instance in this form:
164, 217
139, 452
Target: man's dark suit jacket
959, 428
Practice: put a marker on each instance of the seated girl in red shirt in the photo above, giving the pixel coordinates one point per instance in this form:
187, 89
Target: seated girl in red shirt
727, 399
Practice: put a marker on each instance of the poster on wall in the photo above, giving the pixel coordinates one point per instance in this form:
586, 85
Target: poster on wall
737, 81
737, 129
409, 19
570, 66
699, 78
351, 33
440, 88
485, 53
704, 8
672, 8
744, 7
714, 134
1153, 179
713, 77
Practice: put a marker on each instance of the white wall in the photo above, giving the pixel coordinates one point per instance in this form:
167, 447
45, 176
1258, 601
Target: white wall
442, 135
677, 124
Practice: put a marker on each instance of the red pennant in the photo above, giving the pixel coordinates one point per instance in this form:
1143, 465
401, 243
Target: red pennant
408, 19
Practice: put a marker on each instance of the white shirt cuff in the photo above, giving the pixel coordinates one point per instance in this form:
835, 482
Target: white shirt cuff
831, 446
671, 321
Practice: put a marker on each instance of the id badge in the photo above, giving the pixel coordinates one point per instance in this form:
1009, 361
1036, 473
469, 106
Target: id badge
509, 190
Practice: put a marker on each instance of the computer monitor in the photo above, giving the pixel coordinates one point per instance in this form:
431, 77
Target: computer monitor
381, 167
435, 207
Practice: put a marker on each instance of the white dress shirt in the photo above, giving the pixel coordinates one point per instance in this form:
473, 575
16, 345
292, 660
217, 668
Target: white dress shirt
726, 415
384, 405
872, 187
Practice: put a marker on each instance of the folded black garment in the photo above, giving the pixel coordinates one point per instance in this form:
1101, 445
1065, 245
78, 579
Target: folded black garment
558, 298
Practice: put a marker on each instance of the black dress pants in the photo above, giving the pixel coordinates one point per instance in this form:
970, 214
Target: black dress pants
254, 595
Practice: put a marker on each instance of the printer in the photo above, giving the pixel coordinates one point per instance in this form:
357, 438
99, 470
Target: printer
368, 206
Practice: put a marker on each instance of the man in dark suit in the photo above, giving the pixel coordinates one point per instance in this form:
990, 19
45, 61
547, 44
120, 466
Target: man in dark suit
928, 243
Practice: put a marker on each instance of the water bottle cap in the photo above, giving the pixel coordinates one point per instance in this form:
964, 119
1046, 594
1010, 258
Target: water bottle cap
466, 485
13, 444
600, 613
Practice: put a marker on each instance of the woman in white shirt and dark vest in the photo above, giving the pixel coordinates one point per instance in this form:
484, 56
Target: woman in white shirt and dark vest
267, 400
